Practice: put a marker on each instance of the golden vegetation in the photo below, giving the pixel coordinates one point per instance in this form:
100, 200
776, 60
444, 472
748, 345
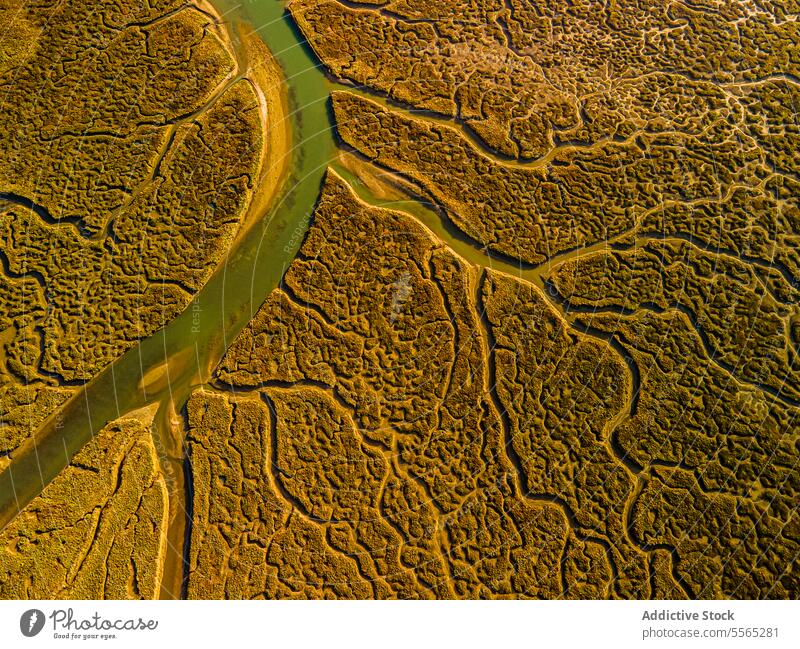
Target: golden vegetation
650, 393
132, 144
98, 530
525, 77
396, 421
436, 428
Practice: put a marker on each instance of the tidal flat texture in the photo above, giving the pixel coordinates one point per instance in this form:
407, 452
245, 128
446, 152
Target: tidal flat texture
541, 338
98, 530
432, 428
130, 146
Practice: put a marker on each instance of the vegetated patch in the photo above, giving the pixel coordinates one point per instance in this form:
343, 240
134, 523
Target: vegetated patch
130, 151
98, 530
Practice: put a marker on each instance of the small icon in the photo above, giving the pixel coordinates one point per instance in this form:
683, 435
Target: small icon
31, 622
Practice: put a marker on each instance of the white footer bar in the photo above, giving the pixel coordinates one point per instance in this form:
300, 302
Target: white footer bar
402, 625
